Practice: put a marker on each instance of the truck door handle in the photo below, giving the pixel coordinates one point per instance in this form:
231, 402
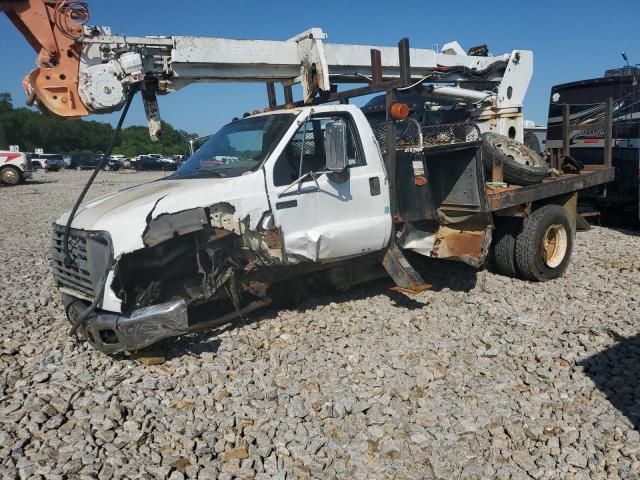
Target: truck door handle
374, 186
287, 204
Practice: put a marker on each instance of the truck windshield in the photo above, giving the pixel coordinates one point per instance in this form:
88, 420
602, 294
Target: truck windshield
238, 147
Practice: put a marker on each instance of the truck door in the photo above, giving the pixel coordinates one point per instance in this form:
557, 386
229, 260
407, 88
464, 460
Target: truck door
328, 216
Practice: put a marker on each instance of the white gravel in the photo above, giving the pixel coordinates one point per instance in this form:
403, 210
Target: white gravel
482, 377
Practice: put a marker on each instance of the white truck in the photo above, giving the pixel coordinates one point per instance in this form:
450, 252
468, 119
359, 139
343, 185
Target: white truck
15, 167
307, 194
309, 191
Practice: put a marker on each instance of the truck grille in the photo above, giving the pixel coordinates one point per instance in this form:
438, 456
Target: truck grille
91, 255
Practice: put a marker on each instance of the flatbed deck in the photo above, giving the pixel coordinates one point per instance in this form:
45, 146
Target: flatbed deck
512, 195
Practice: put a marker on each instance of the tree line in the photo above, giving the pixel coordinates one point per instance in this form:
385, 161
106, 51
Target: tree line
30, 130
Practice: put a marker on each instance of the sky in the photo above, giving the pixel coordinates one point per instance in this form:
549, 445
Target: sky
570, 41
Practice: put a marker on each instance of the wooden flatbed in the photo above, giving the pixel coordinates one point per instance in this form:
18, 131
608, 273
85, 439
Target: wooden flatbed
504, 197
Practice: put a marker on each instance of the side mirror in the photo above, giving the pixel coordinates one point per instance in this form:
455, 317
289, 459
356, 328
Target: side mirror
335, 145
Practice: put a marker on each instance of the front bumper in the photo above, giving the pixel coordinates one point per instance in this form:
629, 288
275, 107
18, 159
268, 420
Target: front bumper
112, 332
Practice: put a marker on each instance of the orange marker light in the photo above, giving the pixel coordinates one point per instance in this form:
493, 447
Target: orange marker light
421, 181
399, 111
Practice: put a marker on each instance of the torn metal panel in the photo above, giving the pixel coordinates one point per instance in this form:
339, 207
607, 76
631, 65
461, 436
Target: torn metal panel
166, 226
403, 274
149, 214
124, 214
468, 246
267, 246
222, 216
417, 240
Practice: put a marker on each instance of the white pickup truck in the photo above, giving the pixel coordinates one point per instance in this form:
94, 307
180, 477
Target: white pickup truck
309, 192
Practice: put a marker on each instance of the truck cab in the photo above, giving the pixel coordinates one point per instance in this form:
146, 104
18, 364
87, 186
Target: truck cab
259, 194
15, 167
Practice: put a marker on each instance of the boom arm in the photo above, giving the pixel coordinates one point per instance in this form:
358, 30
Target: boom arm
85, 70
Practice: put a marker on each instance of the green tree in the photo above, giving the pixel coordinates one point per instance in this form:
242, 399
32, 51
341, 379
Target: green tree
6, 104
30, 130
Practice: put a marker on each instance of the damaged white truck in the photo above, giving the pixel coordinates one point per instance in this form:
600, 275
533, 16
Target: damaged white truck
313, 189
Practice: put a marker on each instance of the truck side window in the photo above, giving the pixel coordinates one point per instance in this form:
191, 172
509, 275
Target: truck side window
307, 146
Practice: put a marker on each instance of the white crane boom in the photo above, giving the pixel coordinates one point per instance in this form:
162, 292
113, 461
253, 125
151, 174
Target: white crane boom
111, 64
180, 60
84, 70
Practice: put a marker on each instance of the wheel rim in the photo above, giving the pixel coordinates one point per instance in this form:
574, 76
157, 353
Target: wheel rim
9, 176
554, 245
520, 154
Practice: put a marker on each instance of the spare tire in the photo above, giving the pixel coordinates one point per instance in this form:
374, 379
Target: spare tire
520, 164
531, 141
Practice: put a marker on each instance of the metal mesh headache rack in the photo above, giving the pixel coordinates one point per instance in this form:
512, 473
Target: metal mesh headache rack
410, 135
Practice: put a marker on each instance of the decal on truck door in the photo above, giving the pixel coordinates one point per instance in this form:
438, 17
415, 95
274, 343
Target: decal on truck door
7, 157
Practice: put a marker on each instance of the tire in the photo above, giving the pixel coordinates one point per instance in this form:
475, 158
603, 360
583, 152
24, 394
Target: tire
11, 175
520, 165
544, 245
532, 142
504, 246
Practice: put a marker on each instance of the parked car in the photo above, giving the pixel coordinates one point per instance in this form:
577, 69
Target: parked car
114, 164
149, 162
88, 161
84, 161
125, 162
51, 162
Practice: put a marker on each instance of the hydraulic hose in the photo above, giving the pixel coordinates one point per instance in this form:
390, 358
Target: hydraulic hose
83, 316
68, 261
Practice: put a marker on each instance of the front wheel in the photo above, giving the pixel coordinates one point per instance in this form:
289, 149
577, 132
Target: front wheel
544, 245
10, 175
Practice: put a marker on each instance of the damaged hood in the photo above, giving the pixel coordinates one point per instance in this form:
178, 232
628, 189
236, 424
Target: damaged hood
126, 214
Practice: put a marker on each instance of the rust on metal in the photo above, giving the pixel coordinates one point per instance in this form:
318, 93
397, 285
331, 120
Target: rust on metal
505, 197
376, 66
497, 174
454, 243
409, 291
273, 238
271, 95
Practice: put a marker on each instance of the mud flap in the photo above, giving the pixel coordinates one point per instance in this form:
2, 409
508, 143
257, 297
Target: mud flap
403, 274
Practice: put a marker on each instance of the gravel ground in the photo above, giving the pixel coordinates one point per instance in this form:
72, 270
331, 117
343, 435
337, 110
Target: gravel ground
481, 377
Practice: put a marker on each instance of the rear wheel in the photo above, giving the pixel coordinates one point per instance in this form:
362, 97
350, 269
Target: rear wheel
504, 246
543, 247
10, 175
